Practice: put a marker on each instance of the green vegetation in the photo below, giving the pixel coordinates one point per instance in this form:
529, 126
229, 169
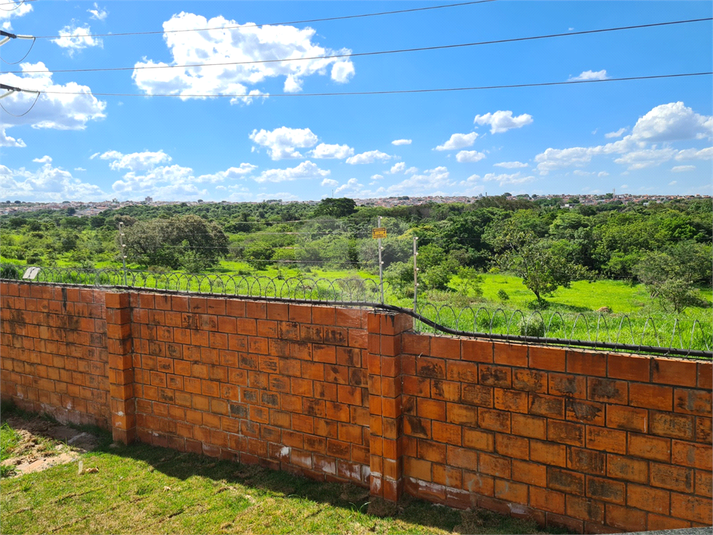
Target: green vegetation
495, 253
145, 489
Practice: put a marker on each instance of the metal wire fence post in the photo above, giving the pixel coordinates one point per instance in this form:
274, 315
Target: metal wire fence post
415, 274
381, 266
122, 251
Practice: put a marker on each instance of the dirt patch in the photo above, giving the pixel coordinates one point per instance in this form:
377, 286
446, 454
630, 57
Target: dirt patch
43, 444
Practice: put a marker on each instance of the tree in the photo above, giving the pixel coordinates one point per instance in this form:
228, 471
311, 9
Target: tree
670, 276
335, 207
535, 260
182, 241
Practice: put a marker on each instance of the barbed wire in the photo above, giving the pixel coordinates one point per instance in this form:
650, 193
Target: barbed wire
592, 330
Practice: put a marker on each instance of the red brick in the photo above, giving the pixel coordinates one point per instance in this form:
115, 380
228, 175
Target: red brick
462, 414
529, 380
691, 454
512, 446
547, 500
530, 473
585, 363
585, 509
462, 371
586, 412
417, 468
651, 396
625, 518
510, 354
704, 483
548, 406
648, 499
648, 447
672, 477
674, 372
547, 358
627, 468
656, 522
480, 484
494, 420
629, 367
610, 440
478, 440
511, 492
445, 348
691, 508
433, 368
705, 375
495, 376
510, 400
529, 426
565, 432
477, 351
690, 401
493, 465
565, 481
548, 453
672, 425
587, 461
627, 418
606, 490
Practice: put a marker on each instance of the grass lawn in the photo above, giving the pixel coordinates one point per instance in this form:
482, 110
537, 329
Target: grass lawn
145, 489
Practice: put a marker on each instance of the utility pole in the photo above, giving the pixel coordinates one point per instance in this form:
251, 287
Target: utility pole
381, 266
415, 274
122, 251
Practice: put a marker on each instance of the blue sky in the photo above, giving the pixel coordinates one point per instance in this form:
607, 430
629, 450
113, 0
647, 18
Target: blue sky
639, 137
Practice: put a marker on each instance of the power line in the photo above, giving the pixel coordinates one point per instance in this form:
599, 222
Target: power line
374, 53
254, 25
389, 92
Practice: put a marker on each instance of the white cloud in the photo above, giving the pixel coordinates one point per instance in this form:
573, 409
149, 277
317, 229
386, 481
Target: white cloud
98, 13
20, 11
75, 38
368, 157
469, 156
171, 182
590, 75
399, 167
248, 43
641, 159
136, 161
44, 159
304, 170
602, 174
232, 173
672, 122
618, 133
504, 178
52, 110
79, 169
459, 141
48, 183
7, 141
352, 185
398, 142
430, 182
329, 182
337, 152
377, 177
282, 143
694, 154
502, 121
510, 165
682, 169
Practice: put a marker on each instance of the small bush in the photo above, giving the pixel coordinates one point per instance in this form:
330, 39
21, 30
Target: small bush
532, 326
9, 272
503, 295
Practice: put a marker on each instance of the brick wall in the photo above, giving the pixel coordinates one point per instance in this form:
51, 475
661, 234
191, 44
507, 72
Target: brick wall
586, 440
53, 351
591, 441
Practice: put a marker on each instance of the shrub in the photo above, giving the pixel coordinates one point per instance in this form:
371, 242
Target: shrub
503, 295
9, 272
532, 326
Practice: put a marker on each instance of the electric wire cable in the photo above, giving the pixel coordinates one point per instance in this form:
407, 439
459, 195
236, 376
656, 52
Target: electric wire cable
34, 40
16, 4
391, 91
256, 25
28, 111
373, 53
